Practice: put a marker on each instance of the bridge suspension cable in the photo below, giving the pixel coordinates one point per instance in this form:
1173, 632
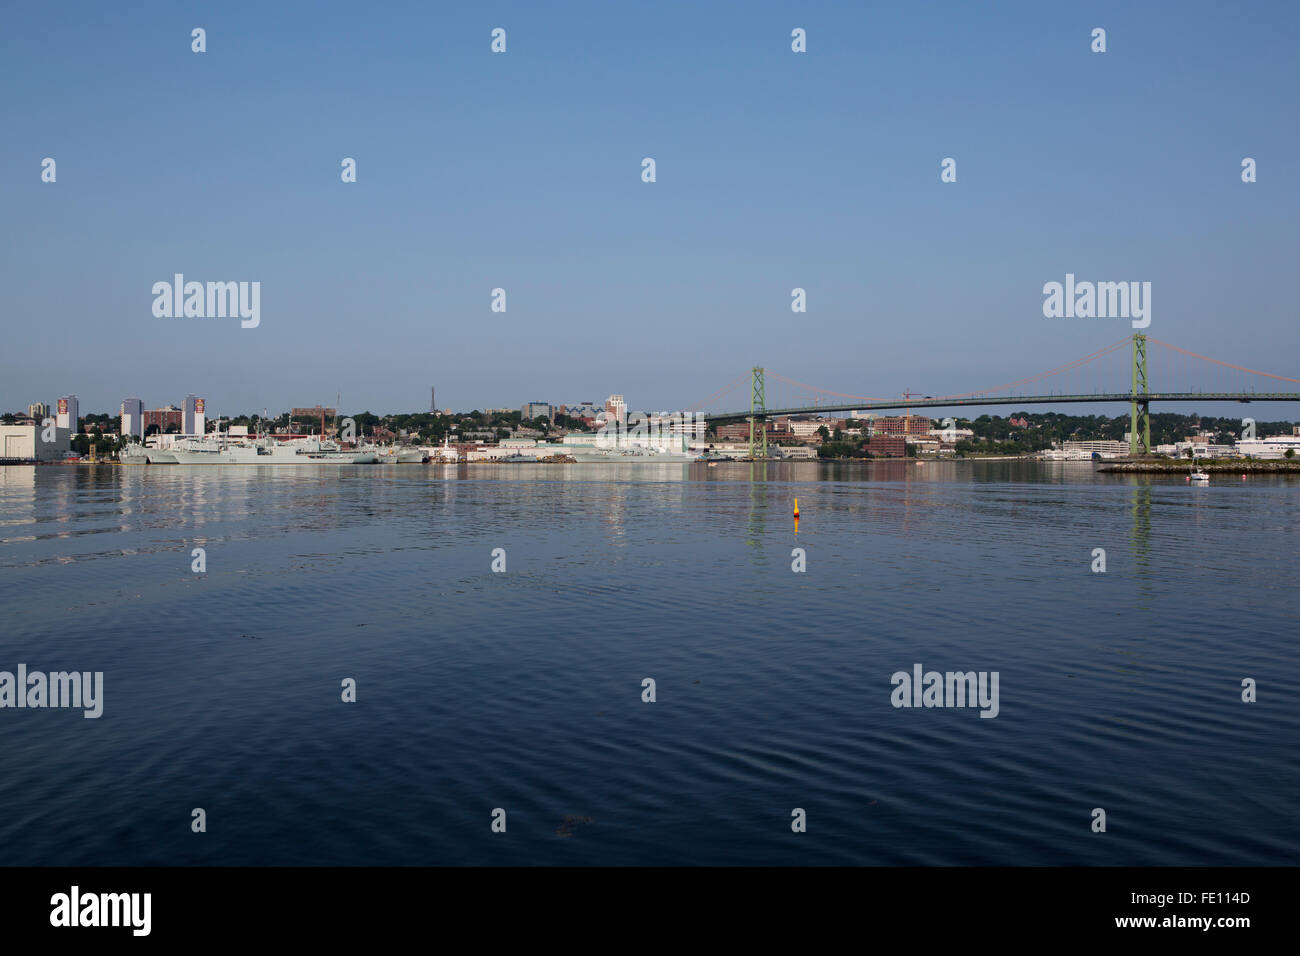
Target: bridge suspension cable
1206, 358
823, 391
719, 393
1042, 375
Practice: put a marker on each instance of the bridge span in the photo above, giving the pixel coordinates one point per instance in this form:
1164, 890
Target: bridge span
1137, 394
1025, 400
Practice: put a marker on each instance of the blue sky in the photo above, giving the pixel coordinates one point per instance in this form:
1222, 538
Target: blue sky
522, 171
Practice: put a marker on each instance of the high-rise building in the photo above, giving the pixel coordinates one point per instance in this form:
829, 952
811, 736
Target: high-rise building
38, 411
193, 419
536, 410
69, 415
132, 417
616, 408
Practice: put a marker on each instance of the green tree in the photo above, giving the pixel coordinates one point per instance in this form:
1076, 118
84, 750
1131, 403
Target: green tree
837, 450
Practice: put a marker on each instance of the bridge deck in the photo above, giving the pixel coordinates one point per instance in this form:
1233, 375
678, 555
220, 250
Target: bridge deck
1022, 400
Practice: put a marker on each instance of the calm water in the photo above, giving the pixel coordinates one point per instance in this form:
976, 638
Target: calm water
522, 690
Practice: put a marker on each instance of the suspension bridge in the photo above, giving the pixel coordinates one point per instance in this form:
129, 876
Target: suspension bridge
1204, 379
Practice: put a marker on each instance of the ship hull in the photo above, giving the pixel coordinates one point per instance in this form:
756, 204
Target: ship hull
248, 453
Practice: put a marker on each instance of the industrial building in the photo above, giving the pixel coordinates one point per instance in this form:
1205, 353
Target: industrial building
1272, 447
26, 443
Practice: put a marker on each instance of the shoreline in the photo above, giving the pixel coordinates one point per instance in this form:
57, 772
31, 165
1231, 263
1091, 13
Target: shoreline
1232, 466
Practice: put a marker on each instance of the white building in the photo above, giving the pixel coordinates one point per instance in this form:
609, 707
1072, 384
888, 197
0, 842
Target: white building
952, 434
803, 452
1185, 449
807, 429
26, 443
132, 417
1273, 447
487, 453
678, 423
69, 415
739, 450
1106, 449
193, 419
616, 408
925, 446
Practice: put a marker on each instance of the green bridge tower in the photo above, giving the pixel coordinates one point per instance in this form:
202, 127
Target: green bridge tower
1139, 406
757, 408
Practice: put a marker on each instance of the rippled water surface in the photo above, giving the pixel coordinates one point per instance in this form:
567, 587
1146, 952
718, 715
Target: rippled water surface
523, 690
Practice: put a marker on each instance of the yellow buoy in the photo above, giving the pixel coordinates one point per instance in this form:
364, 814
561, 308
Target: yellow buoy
796, 508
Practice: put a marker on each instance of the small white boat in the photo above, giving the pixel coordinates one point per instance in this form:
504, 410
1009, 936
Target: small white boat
1198, 476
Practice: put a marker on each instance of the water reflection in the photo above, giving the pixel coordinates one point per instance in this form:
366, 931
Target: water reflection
1140, 512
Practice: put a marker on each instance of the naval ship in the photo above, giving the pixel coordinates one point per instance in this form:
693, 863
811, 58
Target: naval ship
673, 449
264, 450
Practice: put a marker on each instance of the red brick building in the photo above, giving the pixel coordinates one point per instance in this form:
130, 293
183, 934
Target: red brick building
159, 419
887, 446
902, 425
740, 432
